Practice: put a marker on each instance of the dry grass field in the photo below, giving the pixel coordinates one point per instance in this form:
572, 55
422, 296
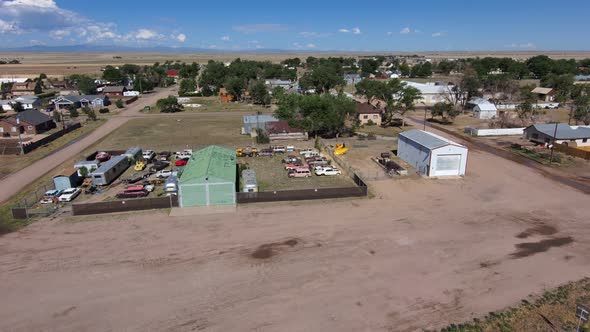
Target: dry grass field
63, 64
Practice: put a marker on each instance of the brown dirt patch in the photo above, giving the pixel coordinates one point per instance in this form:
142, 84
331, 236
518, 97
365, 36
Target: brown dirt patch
537, 230
269, 250
532, 248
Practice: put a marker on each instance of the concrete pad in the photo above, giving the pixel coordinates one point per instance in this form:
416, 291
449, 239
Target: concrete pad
202, 210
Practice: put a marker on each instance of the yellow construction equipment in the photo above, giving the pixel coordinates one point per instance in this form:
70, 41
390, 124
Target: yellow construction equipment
139, 165
340, 149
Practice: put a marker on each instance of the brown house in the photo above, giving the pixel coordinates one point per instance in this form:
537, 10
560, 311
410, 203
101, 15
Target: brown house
114, 90
22, 89
366, 114
29, 122
545, 94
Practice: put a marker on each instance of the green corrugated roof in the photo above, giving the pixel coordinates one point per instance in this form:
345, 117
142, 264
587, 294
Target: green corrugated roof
211, 164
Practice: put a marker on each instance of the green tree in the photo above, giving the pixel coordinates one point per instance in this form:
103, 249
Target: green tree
18, 107
469, 85
562, 84
189, 71
129, 69
74, 112
278, 92
119, 103
404, 68
235, 86
445, 110
259, 93
142, 84
540, 65
56, 115
112, 74
169, 105
368, 67
187, 85
91, 114
322, 79
294, 62
84, 172
446, 67
582, 109
318, 114
84, 83
214, 74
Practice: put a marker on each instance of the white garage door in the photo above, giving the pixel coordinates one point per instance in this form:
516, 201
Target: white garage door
448, 165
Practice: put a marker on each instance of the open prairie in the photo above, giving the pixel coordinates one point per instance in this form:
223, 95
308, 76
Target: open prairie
64, 64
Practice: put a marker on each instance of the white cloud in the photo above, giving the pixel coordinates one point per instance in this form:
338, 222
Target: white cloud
225, 38
310, 45
354, 31
299, 46
38, 15
405, 31
528, 45
258, 28
181, 37
439, 34
6, 27
60, 34
313, 34
146, 34
389, 33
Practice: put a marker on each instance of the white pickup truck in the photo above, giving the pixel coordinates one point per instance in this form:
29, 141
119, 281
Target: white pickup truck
327, 171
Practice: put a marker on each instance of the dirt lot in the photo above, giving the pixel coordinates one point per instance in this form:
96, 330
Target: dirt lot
383, 264
271, 175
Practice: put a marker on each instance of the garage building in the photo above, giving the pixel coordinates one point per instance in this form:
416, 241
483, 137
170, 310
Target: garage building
209, 178
431, 154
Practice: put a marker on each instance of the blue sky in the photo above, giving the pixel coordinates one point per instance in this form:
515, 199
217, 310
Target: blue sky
369, 25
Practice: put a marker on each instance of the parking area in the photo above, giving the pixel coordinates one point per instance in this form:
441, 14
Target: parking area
272, 175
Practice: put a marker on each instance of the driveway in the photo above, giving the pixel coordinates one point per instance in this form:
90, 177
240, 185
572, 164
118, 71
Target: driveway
14, 183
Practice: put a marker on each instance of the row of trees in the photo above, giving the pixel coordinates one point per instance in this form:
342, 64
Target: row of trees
399, 97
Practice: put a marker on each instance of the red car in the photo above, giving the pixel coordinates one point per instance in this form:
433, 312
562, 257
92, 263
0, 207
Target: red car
181, 162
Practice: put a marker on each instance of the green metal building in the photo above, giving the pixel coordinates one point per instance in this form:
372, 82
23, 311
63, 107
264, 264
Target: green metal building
209, 178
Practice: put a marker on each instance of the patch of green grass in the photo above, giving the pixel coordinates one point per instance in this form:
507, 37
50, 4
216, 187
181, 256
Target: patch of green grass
556, 306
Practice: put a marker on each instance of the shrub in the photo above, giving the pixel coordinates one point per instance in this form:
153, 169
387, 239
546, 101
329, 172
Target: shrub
261, 137
119, 103
103, 110
370, 123
74, 113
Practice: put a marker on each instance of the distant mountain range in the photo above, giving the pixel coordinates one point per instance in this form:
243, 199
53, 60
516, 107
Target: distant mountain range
127, 49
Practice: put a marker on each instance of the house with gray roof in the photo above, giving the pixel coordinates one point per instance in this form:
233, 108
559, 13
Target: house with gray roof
93, 101
251, 122
432, 155
560, 133
29, 122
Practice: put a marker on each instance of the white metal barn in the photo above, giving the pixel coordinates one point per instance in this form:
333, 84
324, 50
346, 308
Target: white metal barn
485, 111
431, 154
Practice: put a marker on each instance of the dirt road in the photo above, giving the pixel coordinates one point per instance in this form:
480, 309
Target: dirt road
15, 182
421, 254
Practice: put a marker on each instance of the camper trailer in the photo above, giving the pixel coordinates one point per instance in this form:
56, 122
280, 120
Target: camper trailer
134, 154
110, 170
249, 183
90, 165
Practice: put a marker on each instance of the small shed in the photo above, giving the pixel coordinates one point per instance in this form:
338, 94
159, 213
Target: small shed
209, 178
249, 183
485, 111
432, 155
134, 153
544, 94
67, 179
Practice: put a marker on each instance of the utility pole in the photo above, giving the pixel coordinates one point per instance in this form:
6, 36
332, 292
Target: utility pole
20, 141
553, 144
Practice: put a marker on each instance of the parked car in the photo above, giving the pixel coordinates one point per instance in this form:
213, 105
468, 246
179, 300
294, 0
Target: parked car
52, 193
247, 152
185, 152
289, 159
148, 155
132, 194
265, 153
300, 172
69, 194
103, 156
163, 174
50, 197
164, 155
149, 187
181, 162
290, 148
279, 149
306, 153
295, 165
327, 171
159, 165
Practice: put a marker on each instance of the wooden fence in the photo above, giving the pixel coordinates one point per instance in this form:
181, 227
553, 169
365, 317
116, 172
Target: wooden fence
135, 204
572, 151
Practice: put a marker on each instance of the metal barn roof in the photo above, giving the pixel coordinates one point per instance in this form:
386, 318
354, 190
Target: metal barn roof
564, 131
211, 163
107, 165
428, 140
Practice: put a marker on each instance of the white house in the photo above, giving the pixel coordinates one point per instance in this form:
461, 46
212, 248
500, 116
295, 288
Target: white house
562, 133
483, 109
431, 92
6, 105
432, 155
28, 102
